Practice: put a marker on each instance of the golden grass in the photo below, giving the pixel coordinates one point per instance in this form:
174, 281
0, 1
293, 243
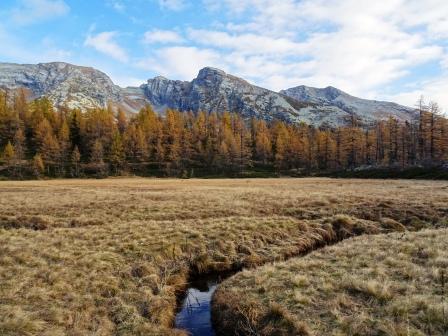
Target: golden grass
106, 257
394, 284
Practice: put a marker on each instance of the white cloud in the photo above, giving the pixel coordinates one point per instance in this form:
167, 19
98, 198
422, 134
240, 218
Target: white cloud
181, 62
249, 44
162, 36
125, 81
117, 5
20, 52
104, 42
32, 11
175, 5
361, 46
52, 52
433, 90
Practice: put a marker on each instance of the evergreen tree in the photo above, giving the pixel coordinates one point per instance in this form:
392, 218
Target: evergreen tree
75, 160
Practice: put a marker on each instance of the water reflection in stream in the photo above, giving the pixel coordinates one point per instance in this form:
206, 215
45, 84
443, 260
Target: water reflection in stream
195, 313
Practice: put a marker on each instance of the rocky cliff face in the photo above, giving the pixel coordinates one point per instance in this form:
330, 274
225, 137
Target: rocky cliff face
75, 86
214, 90
343, 103
211, 90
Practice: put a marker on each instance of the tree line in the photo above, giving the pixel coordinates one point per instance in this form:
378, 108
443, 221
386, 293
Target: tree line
37, 140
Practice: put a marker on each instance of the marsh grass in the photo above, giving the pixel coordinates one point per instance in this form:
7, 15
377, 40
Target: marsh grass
110, 256
389, 285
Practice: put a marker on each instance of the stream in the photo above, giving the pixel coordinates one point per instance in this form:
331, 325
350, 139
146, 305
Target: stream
194, 314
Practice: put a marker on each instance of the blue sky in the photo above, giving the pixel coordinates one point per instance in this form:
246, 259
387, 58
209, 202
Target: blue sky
386, 49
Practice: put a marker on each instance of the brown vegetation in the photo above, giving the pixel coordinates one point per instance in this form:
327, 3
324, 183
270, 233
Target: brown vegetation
37, 140
111, 255
389, 285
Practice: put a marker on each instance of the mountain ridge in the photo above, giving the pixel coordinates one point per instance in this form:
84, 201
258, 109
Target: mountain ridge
331, 96
212, 90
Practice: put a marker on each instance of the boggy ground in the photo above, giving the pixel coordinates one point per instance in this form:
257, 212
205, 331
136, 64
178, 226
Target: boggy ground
107, 257
395, 284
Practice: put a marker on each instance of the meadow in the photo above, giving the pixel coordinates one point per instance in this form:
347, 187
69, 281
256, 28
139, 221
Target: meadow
393, 284
110, 257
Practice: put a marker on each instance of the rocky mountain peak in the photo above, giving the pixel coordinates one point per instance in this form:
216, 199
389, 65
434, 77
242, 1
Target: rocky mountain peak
64, 83
212, 90
208, 73
366, 110
209, 78
332, 92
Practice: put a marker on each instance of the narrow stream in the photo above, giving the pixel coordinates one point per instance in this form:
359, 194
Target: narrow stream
194, 315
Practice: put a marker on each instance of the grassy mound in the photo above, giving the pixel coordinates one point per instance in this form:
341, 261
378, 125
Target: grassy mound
107, 257
395, 284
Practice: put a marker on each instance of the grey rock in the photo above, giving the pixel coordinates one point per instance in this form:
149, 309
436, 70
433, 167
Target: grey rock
212, 90
366, 110
65, 84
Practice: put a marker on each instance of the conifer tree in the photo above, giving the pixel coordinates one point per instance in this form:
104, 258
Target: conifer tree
9, 154
38, 165
64, 146
97, 158
19, 144
50, 152
172, 140
97, 153
75, 160
121, 121
135, 145
116, 154
9, 120
263, 145
21, 106
75, 122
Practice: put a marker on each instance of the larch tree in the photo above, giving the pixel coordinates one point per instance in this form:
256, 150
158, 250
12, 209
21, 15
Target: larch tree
38, 165
116, 153
75, 160
9, 154
50, 151
64, 146
263, 144
20, 144
122, 121
135, 145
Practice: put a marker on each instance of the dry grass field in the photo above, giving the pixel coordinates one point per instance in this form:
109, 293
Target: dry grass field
107, 257
395, 284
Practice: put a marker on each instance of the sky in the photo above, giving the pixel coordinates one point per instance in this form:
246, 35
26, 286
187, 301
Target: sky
385, 49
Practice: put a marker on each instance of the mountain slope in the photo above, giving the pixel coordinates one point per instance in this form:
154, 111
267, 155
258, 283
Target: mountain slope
65, 84
212, 90
367, 110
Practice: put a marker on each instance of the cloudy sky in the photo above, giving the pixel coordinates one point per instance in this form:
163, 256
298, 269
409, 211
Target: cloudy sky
383, 49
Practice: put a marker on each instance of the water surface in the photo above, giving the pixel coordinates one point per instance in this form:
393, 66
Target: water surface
194, 315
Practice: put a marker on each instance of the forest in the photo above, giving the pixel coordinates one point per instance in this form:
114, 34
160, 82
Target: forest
37, 140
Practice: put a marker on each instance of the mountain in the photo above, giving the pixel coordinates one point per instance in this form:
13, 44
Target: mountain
366, 110
212, 90
65, 84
